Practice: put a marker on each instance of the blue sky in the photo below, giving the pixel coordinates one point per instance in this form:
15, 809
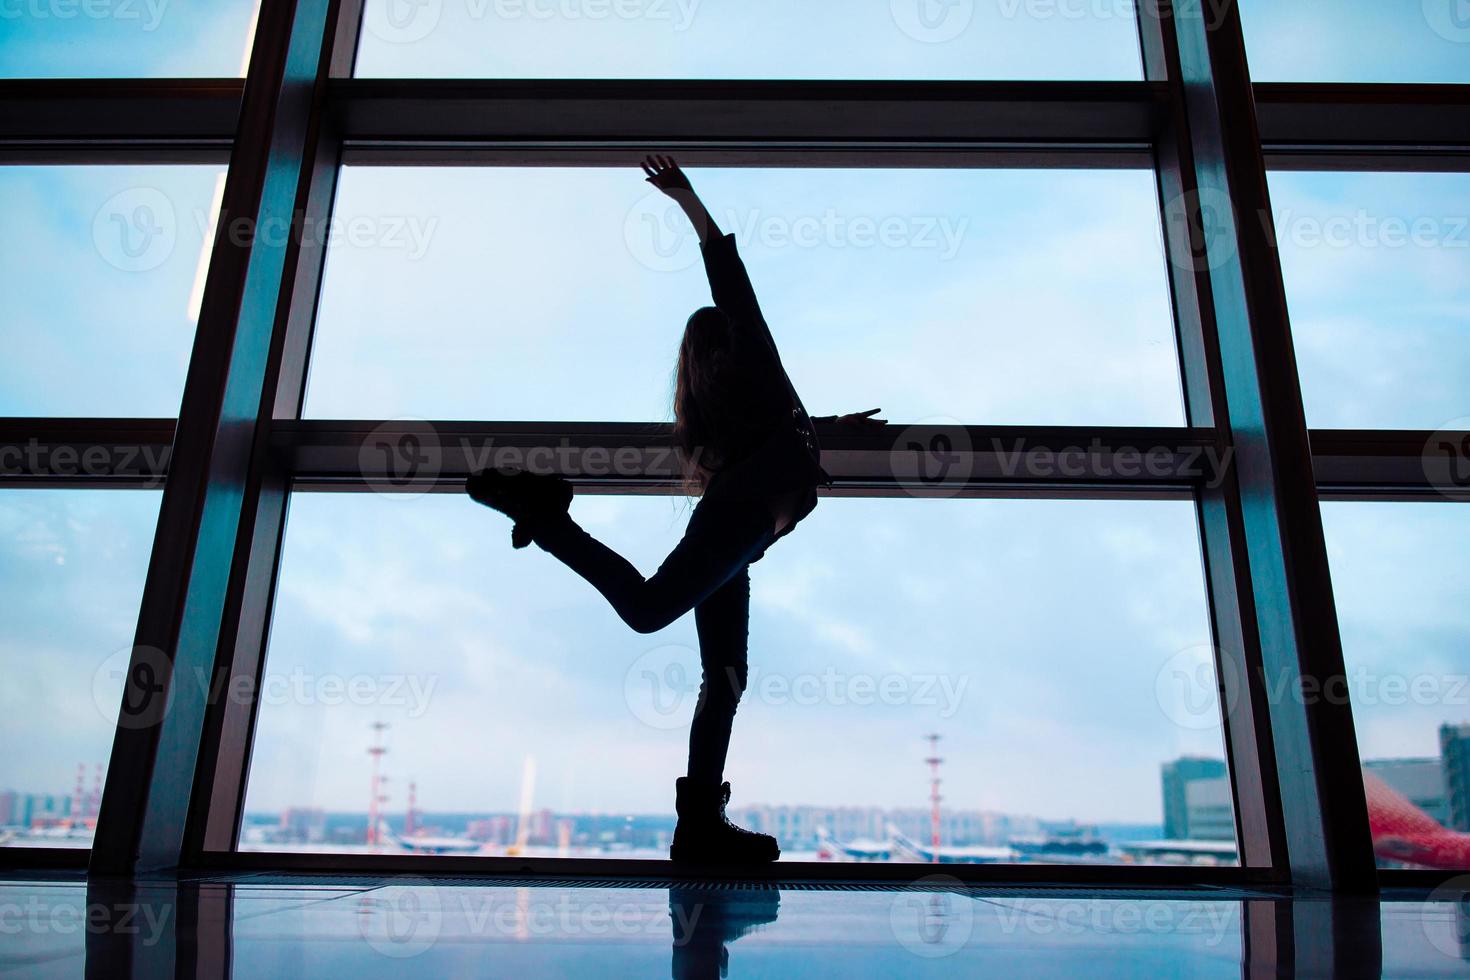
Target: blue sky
1288, 40
984, 297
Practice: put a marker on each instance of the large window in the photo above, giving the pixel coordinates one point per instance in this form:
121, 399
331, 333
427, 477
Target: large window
126, 38
951, 211
996, 297
881, 622
1400, 577
1356, 40
71, 569
101, 275
817, 39
1377, 270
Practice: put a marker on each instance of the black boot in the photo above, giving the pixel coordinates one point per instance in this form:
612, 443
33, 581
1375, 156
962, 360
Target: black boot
703, 834
526, 498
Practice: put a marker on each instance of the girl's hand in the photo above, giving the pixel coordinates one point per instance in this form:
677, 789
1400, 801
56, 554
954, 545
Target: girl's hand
665, 174
861, 420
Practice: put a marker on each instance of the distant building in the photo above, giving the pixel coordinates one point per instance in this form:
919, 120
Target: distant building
1209, 810
9, 808
37, 810
304, 825
802, 826
1454, 757
1421, 781
499, 829
1193, 811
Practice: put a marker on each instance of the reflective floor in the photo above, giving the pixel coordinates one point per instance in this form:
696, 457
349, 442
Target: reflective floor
361, 927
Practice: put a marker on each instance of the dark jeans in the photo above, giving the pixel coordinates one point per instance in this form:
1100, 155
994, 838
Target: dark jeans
708, 571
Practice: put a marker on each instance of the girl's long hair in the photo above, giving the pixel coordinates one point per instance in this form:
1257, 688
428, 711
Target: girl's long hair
713, 419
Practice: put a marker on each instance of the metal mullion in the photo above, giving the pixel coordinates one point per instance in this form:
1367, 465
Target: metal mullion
1267, 538
222, 776
205, 514
1244, 714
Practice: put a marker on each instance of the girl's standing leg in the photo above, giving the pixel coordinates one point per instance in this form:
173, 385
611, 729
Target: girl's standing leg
723, 622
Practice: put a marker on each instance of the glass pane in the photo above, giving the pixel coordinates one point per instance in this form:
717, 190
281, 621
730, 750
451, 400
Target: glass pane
508, 685
126, 38
1377, 270
552, 294
815, 39
1400, 580
1357, 40
72, 565
100, 294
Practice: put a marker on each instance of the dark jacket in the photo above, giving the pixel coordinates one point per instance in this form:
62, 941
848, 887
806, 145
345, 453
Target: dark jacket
784, 456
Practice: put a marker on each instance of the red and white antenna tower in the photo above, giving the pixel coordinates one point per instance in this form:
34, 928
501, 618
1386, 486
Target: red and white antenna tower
377, 750
934, 760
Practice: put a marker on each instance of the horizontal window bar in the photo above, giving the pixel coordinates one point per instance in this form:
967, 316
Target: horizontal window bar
124, 453
794, 871
118, 120
919, 460
830, 121
923, 460
411, 457
1364, 127
1332, 126
1397, 465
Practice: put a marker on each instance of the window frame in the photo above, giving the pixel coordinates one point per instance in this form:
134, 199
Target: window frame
240, 448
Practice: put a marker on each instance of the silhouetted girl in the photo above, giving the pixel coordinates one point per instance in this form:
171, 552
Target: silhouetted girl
752, 456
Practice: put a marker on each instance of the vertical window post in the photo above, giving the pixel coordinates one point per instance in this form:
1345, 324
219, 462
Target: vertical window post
208, 503
1263, 532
